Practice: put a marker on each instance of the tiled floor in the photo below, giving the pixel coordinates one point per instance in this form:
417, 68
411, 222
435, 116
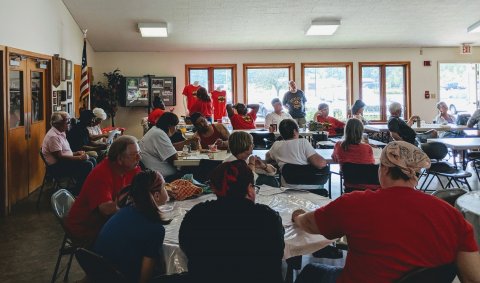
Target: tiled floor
30, 238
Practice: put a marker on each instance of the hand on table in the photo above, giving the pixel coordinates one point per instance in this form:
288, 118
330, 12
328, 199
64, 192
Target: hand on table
296, 213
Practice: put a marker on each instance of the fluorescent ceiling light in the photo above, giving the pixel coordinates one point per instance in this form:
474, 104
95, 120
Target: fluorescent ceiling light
323, 27
153, 29
474, 28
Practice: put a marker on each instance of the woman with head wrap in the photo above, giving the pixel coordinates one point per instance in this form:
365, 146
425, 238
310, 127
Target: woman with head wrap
95, 132
133, 237
233, 239
394, 230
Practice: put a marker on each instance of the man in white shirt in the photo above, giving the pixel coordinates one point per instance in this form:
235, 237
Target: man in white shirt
273, 119
294, 150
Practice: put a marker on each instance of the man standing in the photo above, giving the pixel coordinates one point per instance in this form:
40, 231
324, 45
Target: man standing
98, 199
59, 156
294, 100
273, 119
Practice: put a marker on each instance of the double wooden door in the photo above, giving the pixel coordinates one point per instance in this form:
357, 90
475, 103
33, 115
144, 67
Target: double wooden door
27, 90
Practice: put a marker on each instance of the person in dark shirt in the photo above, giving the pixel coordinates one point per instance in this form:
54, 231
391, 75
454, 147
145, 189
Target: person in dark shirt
401, 130
294, 100
133, 237
79, 138
233, 239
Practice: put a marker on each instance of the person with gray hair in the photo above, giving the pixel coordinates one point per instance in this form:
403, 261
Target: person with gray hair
393, 230
401, 130
58, 155
443, 117
273, 119
102, 190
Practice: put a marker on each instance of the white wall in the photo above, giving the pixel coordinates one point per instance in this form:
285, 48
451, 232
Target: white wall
173, 64
42, 26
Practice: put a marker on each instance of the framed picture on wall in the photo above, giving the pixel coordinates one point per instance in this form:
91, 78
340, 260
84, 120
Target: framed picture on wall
68, 74
64, 107
54, 98
62, 95
63, 69
69, 90
69, 109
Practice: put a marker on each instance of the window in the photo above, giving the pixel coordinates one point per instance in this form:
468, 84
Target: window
264, 82
215, 76
329, 83
384, 83
459, 86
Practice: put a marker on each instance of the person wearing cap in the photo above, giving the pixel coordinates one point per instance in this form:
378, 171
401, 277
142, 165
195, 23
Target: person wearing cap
243, 119
232, 238
357, 111
209, 134
336, 126
95, 132
294, 99
393, 230
276, 116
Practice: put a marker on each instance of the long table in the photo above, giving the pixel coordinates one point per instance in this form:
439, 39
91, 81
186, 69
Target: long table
459, 144
423, 127
297, 242
469, 205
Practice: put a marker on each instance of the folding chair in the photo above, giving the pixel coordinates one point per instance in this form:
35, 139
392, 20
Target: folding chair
308, 175
97, 268
360, 176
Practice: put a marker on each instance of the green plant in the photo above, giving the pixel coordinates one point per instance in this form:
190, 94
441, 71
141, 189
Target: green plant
105, 95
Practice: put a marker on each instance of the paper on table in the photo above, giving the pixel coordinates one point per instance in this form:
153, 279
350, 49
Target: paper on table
111, 135
197, 156
269, 191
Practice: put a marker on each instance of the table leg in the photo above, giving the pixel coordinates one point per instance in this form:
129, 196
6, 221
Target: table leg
293, 263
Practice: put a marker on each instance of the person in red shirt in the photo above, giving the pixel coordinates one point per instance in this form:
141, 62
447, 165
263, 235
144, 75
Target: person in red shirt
243, 120
100, 192
321, 116
219, 100
190, 93
209, 134
351, 149
158, 110
203, 104
393, 230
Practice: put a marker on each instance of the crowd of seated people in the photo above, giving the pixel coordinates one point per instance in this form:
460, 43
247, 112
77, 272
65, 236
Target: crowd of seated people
209, 134
79, 136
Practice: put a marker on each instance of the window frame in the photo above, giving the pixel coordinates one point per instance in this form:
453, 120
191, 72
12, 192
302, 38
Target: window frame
407, 87
348, 65
210, 68
246, 66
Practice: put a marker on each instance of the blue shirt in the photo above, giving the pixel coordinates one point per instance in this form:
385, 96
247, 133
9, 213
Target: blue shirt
126, 238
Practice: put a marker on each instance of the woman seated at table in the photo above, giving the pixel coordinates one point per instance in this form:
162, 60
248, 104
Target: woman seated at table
233, 239
443, 117
351, 149
357, 111
241, 146
157, 151
133, 237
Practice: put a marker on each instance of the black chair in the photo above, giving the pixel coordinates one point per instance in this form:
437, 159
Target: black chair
441, 274
308, 175
49, 174
97, 268
319, 137
436, 152
62, 201
206, 166
356, 175
462, 119
450, 195
262, 140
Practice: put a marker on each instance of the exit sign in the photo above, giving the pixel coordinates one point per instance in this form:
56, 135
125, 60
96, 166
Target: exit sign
466, 49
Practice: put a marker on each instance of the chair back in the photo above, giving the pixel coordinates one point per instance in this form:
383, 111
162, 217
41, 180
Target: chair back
305, 174
440, 274
435, 150
462, 119
449, 195
360, 174
97, 268
262, 140
62, 200
206, 166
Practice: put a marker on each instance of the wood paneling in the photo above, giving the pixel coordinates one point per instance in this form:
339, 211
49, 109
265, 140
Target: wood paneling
3, 130
77, 79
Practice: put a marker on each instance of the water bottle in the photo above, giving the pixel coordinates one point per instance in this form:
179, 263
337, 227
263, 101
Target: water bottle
185, 150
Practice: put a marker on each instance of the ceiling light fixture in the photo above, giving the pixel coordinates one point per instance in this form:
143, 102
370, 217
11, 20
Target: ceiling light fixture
474, 28
323, 27
153, 29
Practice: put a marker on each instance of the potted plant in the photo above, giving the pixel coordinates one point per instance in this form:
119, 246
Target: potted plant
105, 95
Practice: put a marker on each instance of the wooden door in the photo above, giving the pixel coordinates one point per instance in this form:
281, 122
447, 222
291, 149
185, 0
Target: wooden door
36, 117
17, 147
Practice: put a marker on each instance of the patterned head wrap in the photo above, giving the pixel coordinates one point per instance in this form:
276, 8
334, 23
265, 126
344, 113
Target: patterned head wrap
405, 156
231, 179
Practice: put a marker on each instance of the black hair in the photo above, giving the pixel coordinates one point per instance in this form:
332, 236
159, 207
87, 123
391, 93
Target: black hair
158, 103
357, 106
194, 117
287, 128
202, 94
236, 175
397, 174
168, 119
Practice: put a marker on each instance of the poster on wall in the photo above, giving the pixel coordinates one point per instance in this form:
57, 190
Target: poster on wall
168, 93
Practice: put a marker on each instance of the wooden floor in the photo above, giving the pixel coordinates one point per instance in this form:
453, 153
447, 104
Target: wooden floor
30, 238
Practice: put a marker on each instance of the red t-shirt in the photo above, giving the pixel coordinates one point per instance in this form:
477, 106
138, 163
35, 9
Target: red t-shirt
154, 115
204, 107
190, 91
219, 100
357, 153
244, 122
334, 124
101, 186
392, 231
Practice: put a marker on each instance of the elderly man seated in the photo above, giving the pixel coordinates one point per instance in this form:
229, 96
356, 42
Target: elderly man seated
336, 126
278, 115
233, 239
401, 131
101, 191
59, 156
294, 150
393, 230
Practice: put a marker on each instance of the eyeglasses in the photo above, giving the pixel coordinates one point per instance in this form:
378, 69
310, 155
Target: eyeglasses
257, 188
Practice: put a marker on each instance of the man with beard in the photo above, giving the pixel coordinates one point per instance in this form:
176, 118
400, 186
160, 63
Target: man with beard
210, 133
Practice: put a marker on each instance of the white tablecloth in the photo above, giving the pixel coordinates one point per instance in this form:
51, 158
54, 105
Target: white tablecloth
469, 205
297, 242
